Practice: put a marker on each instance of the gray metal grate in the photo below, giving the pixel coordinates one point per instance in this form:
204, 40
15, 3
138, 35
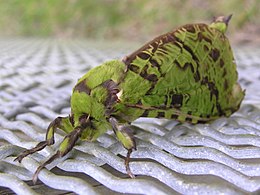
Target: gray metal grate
35, 86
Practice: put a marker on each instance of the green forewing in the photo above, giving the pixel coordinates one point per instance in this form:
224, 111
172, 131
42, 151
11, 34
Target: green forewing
188, 74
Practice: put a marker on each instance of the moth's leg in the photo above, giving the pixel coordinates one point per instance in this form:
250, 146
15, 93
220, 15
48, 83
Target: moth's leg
125, 135
66, 145
49, 140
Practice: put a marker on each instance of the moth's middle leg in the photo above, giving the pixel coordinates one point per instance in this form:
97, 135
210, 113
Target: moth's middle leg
124, 134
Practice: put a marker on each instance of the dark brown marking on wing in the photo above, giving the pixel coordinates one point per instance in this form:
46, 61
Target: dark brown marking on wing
188, 119
221, 63
186, 65
169, 38
144, 56
202, 37
190, 28
220, 111
133, 68
149, 77
152, 78
177, 100
201, 27
174, 116
160, 115
224, 72
211, 86
145, 114
181, 44
214, 54
206, 48
213, 92
186, 47
82, 87
194, 57
197, 76
154, 63
225, 84
189, 64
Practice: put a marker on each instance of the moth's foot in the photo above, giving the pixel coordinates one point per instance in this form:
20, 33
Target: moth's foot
35, 175
130, 173
20, 157
127, 167
58, 154
38, 147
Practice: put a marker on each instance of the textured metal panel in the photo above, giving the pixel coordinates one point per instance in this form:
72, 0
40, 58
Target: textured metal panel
36, 78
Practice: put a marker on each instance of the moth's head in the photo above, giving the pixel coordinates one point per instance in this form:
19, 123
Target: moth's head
221, 23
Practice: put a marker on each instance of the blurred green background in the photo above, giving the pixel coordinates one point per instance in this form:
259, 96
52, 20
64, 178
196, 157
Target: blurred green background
122, 19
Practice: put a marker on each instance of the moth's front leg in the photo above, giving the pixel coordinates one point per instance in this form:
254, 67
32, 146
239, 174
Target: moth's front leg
124, 134
57, 123
66, 145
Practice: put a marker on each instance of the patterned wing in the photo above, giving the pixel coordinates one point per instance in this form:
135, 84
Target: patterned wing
191, 72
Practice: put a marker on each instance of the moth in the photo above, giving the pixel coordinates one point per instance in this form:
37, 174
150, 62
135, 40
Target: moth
188, 74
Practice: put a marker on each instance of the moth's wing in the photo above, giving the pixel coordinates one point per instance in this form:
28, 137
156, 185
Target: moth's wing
188, 66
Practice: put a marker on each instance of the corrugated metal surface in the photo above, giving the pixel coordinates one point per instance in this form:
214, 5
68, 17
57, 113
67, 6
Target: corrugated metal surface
35, 86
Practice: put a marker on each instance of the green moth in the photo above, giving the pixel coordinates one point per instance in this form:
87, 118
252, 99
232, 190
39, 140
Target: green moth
188, 74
